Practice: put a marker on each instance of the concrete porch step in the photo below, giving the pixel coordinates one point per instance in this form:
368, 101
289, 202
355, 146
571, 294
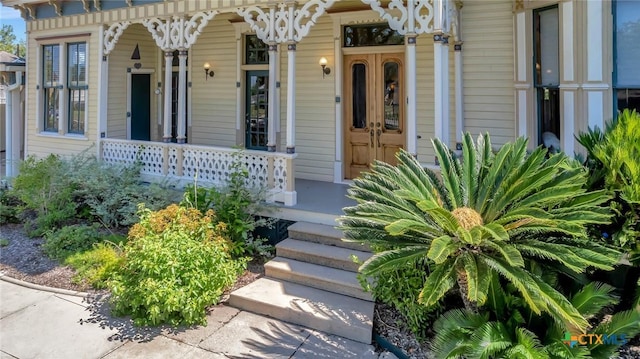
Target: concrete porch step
324, 234
332, 313
316, 276
321, 254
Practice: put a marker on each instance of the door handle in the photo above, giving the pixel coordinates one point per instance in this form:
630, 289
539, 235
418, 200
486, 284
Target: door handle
379, 133
371, 135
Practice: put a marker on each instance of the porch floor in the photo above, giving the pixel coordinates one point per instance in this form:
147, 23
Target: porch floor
318, 202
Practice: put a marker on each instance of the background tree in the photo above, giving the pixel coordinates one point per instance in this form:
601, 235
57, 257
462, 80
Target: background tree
8, 41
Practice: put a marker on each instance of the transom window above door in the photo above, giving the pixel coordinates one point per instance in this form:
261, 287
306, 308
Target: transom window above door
256, 52
371, 35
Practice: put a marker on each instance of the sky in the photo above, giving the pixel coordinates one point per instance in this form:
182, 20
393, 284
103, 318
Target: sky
9, 16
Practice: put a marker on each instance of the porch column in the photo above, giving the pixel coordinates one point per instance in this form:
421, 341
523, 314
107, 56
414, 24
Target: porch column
441, 86
458, 93
291, 97
595, 86
271, 116
12, 126
411, 94
168, 60
181, 136
102, 91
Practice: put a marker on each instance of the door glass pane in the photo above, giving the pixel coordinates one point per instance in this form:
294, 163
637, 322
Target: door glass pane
257, 109
628, 98
547, 47
391, 96
359, 83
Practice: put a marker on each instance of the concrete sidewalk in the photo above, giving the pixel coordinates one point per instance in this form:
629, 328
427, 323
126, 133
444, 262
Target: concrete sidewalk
37, 323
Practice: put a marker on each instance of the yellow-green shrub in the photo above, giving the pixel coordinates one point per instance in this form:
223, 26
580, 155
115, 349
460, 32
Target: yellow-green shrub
176, 263
95, 266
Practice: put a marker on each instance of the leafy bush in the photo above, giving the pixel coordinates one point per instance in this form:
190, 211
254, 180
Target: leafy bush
176, 263
59, 192
401, 288
237, 205
507, 329
97, 265
111, 193
45, 188
613, 161
490, 214
9, 206
61, 243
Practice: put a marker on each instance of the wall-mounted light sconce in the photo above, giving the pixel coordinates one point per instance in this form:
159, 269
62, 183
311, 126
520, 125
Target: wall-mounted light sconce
207, 71
325, 70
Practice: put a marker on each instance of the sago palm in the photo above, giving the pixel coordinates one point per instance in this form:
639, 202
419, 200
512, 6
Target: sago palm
511, 334
487, 213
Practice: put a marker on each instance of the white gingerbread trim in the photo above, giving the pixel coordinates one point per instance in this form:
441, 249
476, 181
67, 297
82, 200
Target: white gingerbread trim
306, 17
417, 17
178, 33
259, 21
112, 34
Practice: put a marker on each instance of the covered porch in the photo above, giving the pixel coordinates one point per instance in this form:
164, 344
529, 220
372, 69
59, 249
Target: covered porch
196, 123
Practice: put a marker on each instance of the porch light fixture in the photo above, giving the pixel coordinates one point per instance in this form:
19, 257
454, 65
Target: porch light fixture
207, 71
325, 70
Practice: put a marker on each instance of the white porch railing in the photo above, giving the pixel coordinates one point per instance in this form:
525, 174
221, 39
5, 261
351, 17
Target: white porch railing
211, 165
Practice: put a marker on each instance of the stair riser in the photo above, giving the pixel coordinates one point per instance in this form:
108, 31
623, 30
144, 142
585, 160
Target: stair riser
328, 240
340, 263
320, 283
292, 316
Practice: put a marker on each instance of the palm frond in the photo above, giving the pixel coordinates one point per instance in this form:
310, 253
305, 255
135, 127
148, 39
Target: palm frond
559, 307
391, 259
528, 346
470, 168
441, 248
558, 349
449, 170
437, 284
478, 278
490, 341
452, 332
622, 326
593, 297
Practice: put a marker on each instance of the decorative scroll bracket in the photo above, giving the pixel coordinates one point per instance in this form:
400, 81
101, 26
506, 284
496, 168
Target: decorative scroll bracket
418, 16
56, 6
284, 23
112, 34
178, 33
307, 16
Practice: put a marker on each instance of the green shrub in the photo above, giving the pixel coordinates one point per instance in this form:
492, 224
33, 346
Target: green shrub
58, 192
487, 214
613, 162
176, 263
237, 205
61, 243
401, 288
111, 193
95, 266
47, 193
9, 206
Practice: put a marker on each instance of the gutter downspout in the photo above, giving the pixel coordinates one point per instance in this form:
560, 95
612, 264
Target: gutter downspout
10, 160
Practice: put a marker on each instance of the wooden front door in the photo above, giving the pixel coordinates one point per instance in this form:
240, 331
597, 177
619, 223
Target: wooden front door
373, 110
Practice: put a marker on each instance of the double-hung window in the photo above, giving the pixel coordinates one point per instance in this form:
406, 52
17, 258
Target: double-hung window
51, 86
77, 86
64, 88
627, 51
